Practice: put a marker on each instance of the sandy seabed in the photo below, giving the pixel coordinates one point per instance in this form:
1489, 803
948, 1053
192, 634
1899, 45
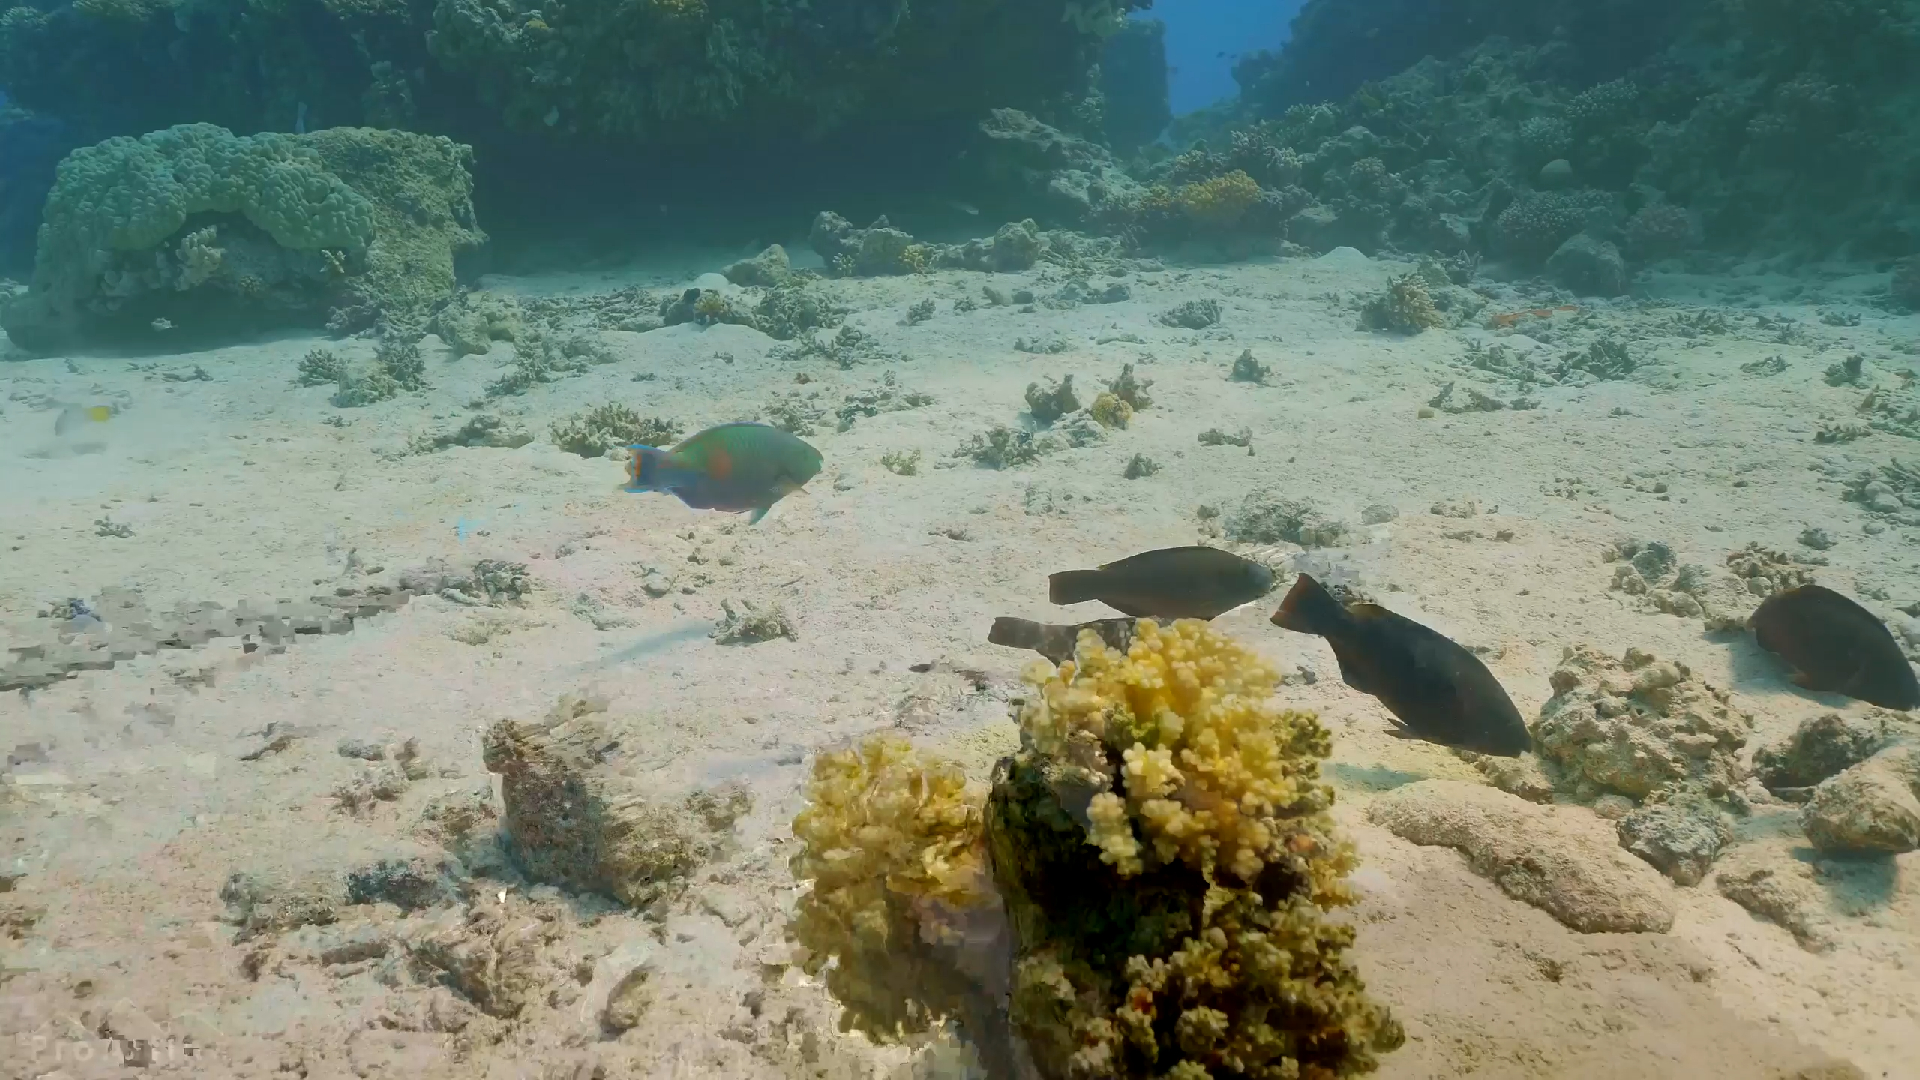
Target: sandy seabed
134, 794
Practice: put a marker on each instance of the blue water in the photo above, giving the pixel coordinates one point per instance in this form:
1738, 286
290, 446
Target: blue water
1199, 32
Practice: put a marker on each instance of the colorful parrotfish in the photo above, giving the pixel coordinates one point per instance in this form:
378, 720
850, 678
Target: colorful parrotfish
732, 467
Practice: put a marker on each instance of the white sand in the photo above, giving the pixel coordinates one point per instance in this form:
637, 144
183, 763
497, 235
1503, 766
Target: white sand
235, 489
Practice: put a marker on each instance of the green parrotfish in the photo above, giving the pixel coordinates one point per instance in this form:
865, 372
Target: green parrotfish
732, 467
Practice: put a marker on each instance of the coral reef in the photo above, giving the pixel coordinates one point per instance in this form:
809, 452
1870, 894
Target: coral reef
542, 356
214, 232
1246, 369
647, 74
1161, 863
1073, 180
1904, 287
1133, 84
771, 269
880, 250
1191, 315
999, 447
1544, 135
1680, 833
397, 367
1589, 267
1822, 746
1218, 203
1130, 388
1110, 410
1722, 598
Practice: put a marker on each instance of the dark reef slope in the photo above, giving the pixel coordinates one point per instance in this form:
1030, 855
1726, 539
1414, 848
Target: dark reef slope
622, 71
1782, 125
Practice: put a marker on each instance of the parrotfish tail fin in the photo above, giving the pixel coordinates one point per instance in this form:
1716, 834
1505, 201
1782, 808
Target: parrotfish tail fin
1309, 609
644, 467
1073, 586
1015, 633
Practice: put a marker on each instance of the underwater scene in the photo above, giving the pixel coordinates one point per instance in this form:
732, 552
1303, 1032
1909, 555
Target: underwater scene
960, 539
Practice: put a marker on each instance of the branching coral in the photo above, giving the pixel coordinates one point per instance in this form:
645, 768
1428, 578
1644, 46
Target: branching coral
892, 843
1405, 307
610, 426
1162, 854
1205, 765
1163, 848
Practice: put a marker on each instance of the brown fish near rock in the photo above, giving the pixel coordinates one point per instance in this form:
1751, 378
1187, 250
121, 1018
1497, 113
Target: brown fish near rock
1056, 641
1440, 692
1195, 582
1835, 644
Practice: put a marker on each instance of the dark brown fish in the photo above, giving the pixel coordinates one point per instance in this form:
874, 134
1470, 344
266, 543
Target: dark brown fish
1835, 644
1441, 692
1055, 641
1170, 583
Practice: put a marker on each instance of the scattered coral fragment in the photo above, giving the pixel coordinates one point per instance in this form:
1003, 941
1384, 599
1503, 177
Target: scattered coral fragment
574, 819
752, 622
611, 426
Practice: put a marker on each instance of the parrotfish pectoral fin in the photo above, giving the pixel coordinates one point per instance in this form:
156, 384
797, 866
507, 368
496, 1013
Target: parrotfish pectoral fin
758, 513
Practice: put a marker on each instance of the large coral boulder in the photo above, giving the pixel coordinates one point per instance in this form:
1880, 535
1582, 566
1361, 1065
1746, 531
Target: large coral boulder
196, 230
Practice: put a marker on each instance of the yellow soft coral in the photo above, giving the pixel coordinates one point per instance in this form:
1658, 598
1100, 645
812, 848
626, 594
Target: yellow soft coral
1221, 202
885, 825
1209, 766
892, 845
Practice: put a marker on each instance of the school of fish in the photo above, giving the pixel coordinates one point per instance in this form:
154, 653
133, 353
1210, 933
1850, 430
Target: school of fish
1436, 690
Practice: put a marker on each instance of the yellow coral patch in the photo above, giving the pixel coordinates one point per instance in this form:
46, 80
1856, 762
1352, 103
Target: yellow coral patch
1210, 766
1220, 202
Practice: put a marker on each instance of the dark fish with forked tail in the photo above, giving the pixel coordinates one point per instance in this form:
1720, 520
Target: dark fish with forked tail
1441, 692
1055, 641
1835, 644
1195, 582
